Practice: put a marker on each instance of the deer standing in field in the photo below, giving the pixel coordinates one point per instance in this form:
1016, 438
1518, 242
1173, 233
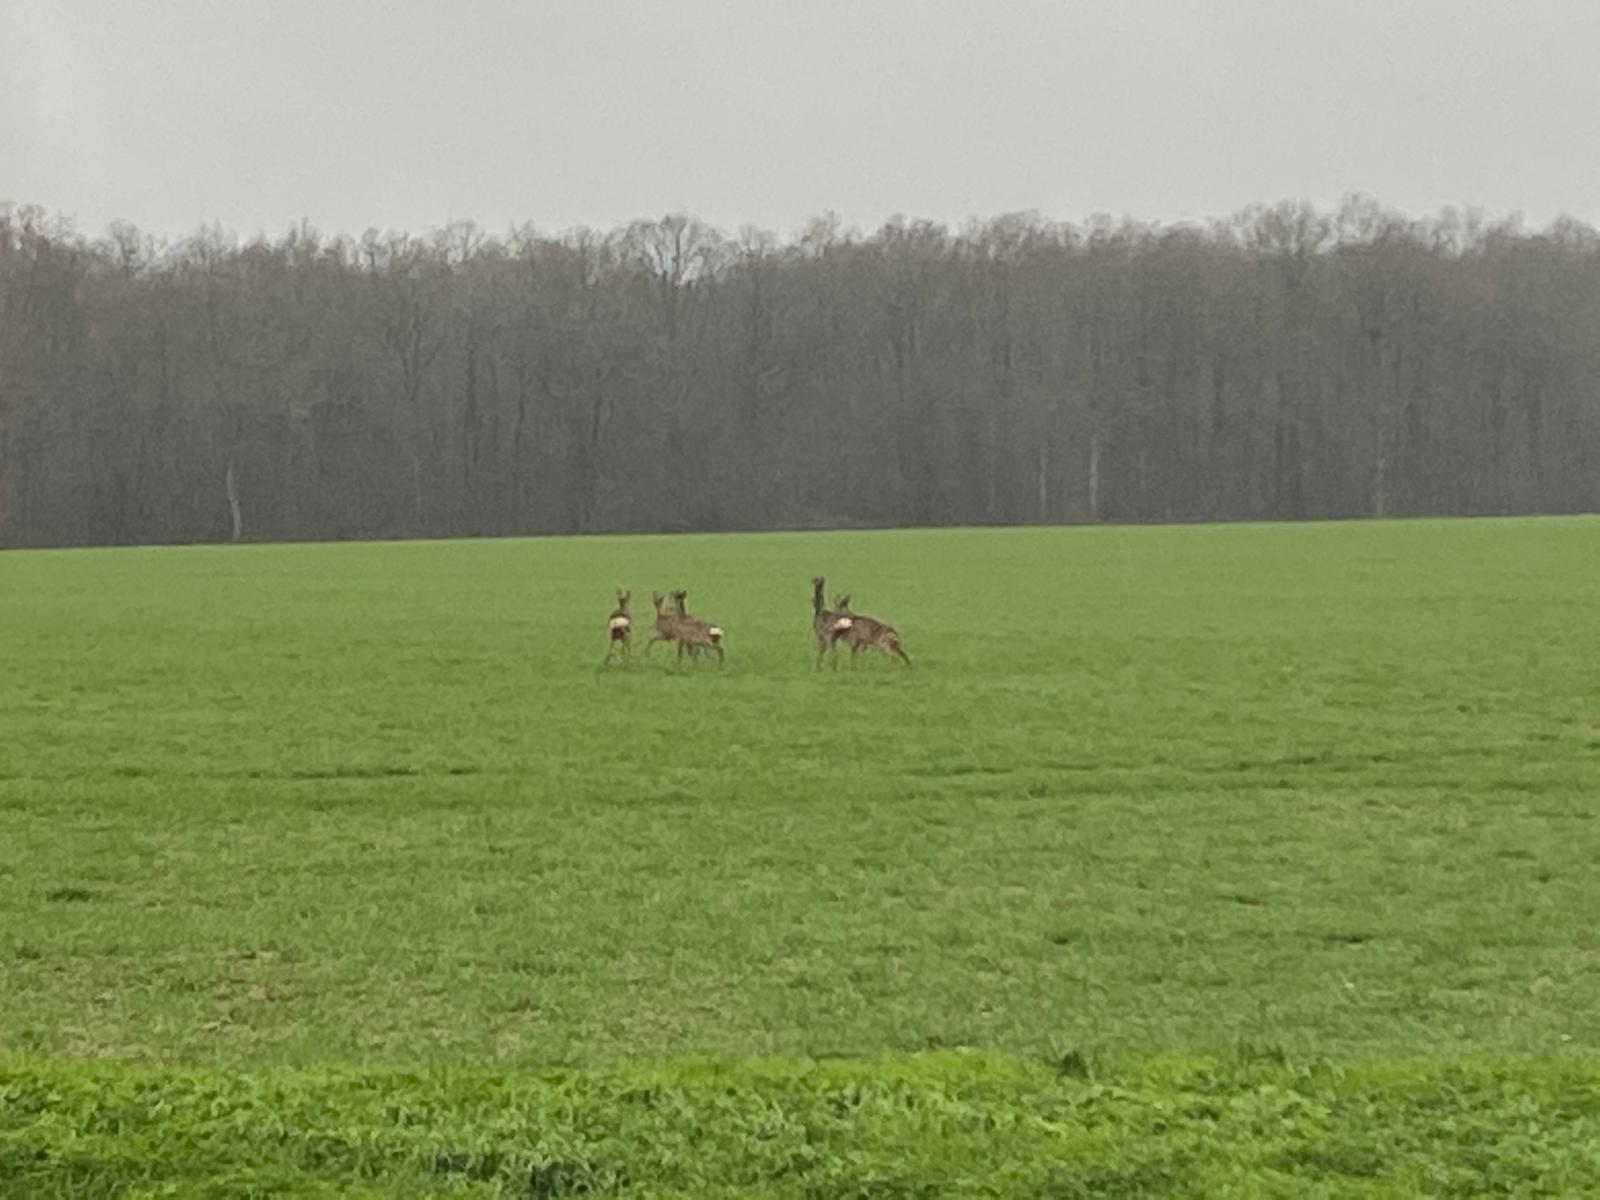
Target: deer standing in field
619, 629
826, 624
864, 632
666, 627
692, 633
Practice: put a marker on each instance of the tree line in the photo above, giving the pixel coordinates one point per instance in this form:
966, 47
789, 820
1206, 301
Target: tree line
1285, 363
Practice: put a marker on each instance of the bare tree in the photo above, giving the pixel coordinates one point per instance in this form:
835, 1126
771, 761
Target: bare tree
1285, 362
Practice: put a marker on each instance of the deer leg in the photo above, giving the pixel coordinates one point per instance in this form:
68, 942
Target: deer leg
833, 651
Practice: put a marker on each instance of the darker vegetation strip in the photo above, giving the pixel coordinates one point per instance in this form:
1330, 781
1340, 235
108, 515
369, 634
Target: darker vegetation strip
927, 1125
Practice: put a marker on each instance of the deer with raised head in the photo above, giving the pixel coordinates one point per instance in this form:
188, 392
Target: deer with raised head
666, 626
692, 633
864, 632
827, 624
619, 629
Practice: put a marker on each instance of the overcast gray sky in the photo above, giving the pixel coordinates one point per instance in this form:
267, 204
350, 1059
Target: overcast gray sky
397, 114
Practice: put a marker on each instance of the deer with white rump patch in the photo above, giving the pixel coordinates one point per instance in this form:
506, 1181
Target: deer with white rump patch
826, 624
692, 633
864, 632
619, 629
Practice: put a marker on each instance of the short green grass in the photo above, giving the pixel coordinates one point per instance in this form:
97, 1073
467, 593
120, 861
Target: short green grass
1330, 788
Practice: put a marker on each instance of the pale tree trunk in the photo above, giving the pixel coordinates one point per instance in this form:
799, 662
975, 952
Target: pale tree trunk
416, 492
1380, 475
233, 502
1094, 476
992, 488
1044, 480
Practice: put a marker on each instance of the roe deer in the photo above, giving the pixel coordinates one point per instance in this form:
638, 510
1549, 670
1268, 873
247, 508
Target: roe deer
826, 624
863, 632
692, 633
619, 628
672, 624
666, 627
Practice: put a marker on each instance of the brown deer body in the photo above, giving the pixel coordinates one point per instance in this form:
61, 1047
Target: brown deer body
666, 626
619, 629
692, 633
864, 632
826, 624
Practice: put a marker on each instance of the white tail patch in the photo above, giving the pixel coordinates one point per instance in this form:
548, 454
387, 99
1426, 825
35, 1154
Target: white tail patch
619, 624
715, 633
842, 624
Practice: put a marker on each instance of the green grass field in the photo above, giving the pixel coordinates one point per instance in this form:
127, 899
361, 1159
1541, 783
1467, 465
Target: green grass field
272, 815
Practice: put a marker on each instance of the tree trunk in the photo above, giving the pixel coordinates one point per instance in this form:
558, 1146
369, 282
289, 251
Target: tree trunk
1380, 474
1094, 477
232, 488
1044, 480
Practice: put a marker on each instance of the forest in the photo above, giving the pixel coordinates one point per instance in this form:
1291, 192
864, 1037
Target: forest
1286, 363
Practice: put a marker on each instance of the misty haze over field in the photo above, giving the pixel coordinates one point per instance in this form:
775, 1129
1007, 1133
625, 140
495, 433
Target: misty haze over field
711, 266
